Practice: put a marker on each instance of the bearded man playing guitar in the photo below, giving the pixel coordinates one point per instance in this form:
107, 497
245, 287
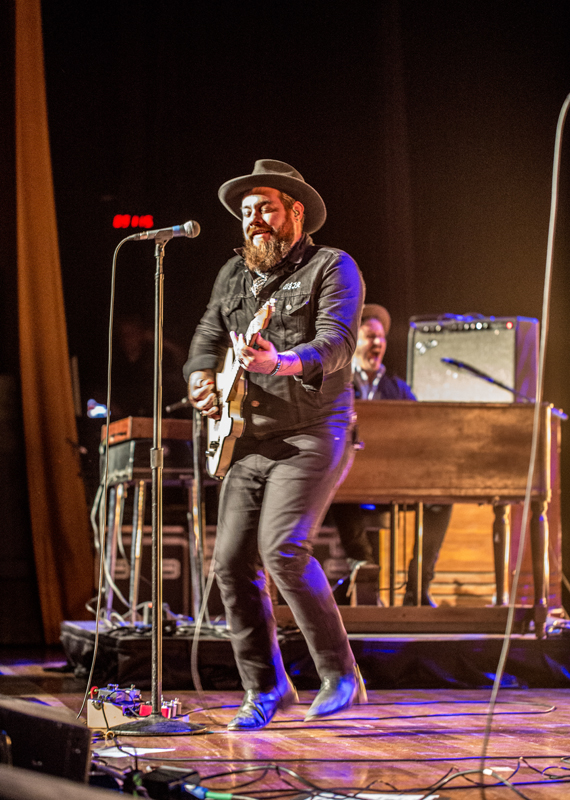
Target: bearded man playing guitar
292, 444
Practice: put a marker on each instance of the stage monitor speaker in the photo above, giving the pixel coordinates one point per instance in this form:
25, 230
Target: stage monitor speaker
45, 739
21, 784
504, 348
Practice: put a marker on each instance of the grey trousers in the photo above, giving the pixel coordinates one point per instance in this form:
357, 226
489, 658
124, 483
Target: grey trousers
272, 502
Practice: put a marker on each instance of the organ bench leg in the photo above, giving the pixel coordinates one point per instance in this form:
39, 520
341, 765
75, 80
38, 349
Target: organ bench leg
501, 550
540, 563
419, 531
394, 517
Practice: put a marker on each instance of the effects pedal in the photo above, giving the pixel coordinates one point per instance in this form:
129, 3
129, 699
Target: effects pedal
112, 706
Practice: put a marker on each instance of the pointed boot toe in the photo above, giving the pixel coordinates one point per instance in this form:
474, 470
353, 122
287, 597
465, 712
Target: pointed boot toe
338, 693
258, 708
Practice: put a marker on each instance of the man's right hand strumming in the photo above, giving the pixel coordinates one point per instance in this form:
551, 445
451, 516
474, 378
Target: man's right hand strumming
202, 393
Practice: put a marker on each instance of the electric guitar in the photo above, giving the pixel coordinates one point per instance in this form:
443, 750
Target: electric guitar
231, 388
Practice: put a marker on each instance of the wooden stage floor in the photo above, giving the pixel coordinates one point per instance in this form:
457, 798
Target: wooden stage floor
402, 740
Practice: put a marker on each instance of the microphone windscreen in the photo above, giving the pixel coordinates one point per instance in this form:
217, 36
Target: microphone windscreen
191, 229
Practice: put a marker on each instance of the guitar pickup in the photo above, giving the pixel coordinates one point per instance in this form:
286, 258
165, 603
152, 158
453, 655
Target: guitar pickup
212, 448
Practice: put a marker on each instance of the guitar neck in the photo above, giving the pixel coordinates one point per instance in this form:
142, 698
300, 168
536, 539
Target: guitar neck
233, 378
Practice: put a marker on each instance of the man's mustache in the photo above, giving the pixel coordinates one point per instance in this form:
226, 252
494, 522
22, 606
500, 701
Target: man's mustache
252, 231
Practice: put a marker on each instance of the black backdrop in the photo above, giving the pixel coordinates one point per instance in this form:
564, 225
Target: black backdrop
427, 125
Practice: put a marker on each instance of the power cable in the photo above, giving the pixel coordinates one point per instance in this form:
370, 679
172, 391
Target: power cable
104, 481
536, 426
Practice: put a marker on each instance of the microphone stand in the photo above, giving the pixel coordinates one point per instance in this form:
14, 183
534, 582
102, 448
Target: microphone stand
486, 377
156, 724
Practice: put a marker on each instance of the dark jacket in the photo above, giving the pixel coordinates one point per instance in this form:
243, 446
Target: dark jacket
319, 296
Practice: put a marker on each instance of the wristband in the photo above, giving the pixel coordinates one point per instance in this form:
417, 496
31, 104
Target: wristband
277, 366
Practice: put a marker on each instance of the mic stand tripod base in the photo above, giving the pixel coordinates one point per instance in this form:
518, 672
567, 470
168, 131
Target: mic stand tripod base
157, 725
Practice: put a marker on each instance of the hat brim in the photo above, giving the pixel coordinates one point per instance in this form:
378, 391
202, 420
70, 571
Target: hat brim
375, 311
232, 192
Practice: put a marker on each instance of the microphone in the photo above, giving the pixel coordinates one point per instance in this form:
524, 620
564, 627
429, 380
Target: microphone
191, 229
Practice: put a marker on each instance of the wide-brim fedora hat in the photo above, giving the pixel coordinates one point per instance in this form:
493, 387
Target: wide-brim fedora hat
281, 176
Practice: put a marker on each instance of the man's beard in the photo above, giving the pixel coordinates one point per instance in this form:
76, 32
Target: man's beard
269, 253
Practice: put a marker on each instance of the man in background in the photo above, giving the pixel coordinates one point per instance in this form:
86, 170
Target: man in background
371, 382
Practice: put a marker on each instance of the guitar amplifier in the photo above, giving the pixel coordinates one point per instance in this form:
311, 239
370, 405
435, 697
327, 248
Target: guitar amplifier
440, 352
130, 461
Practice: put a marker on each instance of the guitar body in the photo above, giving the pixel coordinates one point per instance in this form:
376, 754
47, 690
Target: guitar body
224, 432
231, 387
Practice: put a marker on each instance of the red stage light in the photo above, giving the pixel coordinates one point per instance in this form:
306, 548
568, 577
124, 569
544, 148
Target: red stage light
121, 220
134, 221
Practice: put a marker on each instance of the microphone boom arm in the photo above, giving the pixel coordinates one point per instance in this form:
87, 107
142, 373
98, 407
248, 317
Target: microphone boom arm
484, 376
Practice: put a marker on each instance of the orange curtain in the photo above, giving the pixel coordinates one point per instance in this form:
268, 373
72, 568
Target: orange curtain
58, 510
